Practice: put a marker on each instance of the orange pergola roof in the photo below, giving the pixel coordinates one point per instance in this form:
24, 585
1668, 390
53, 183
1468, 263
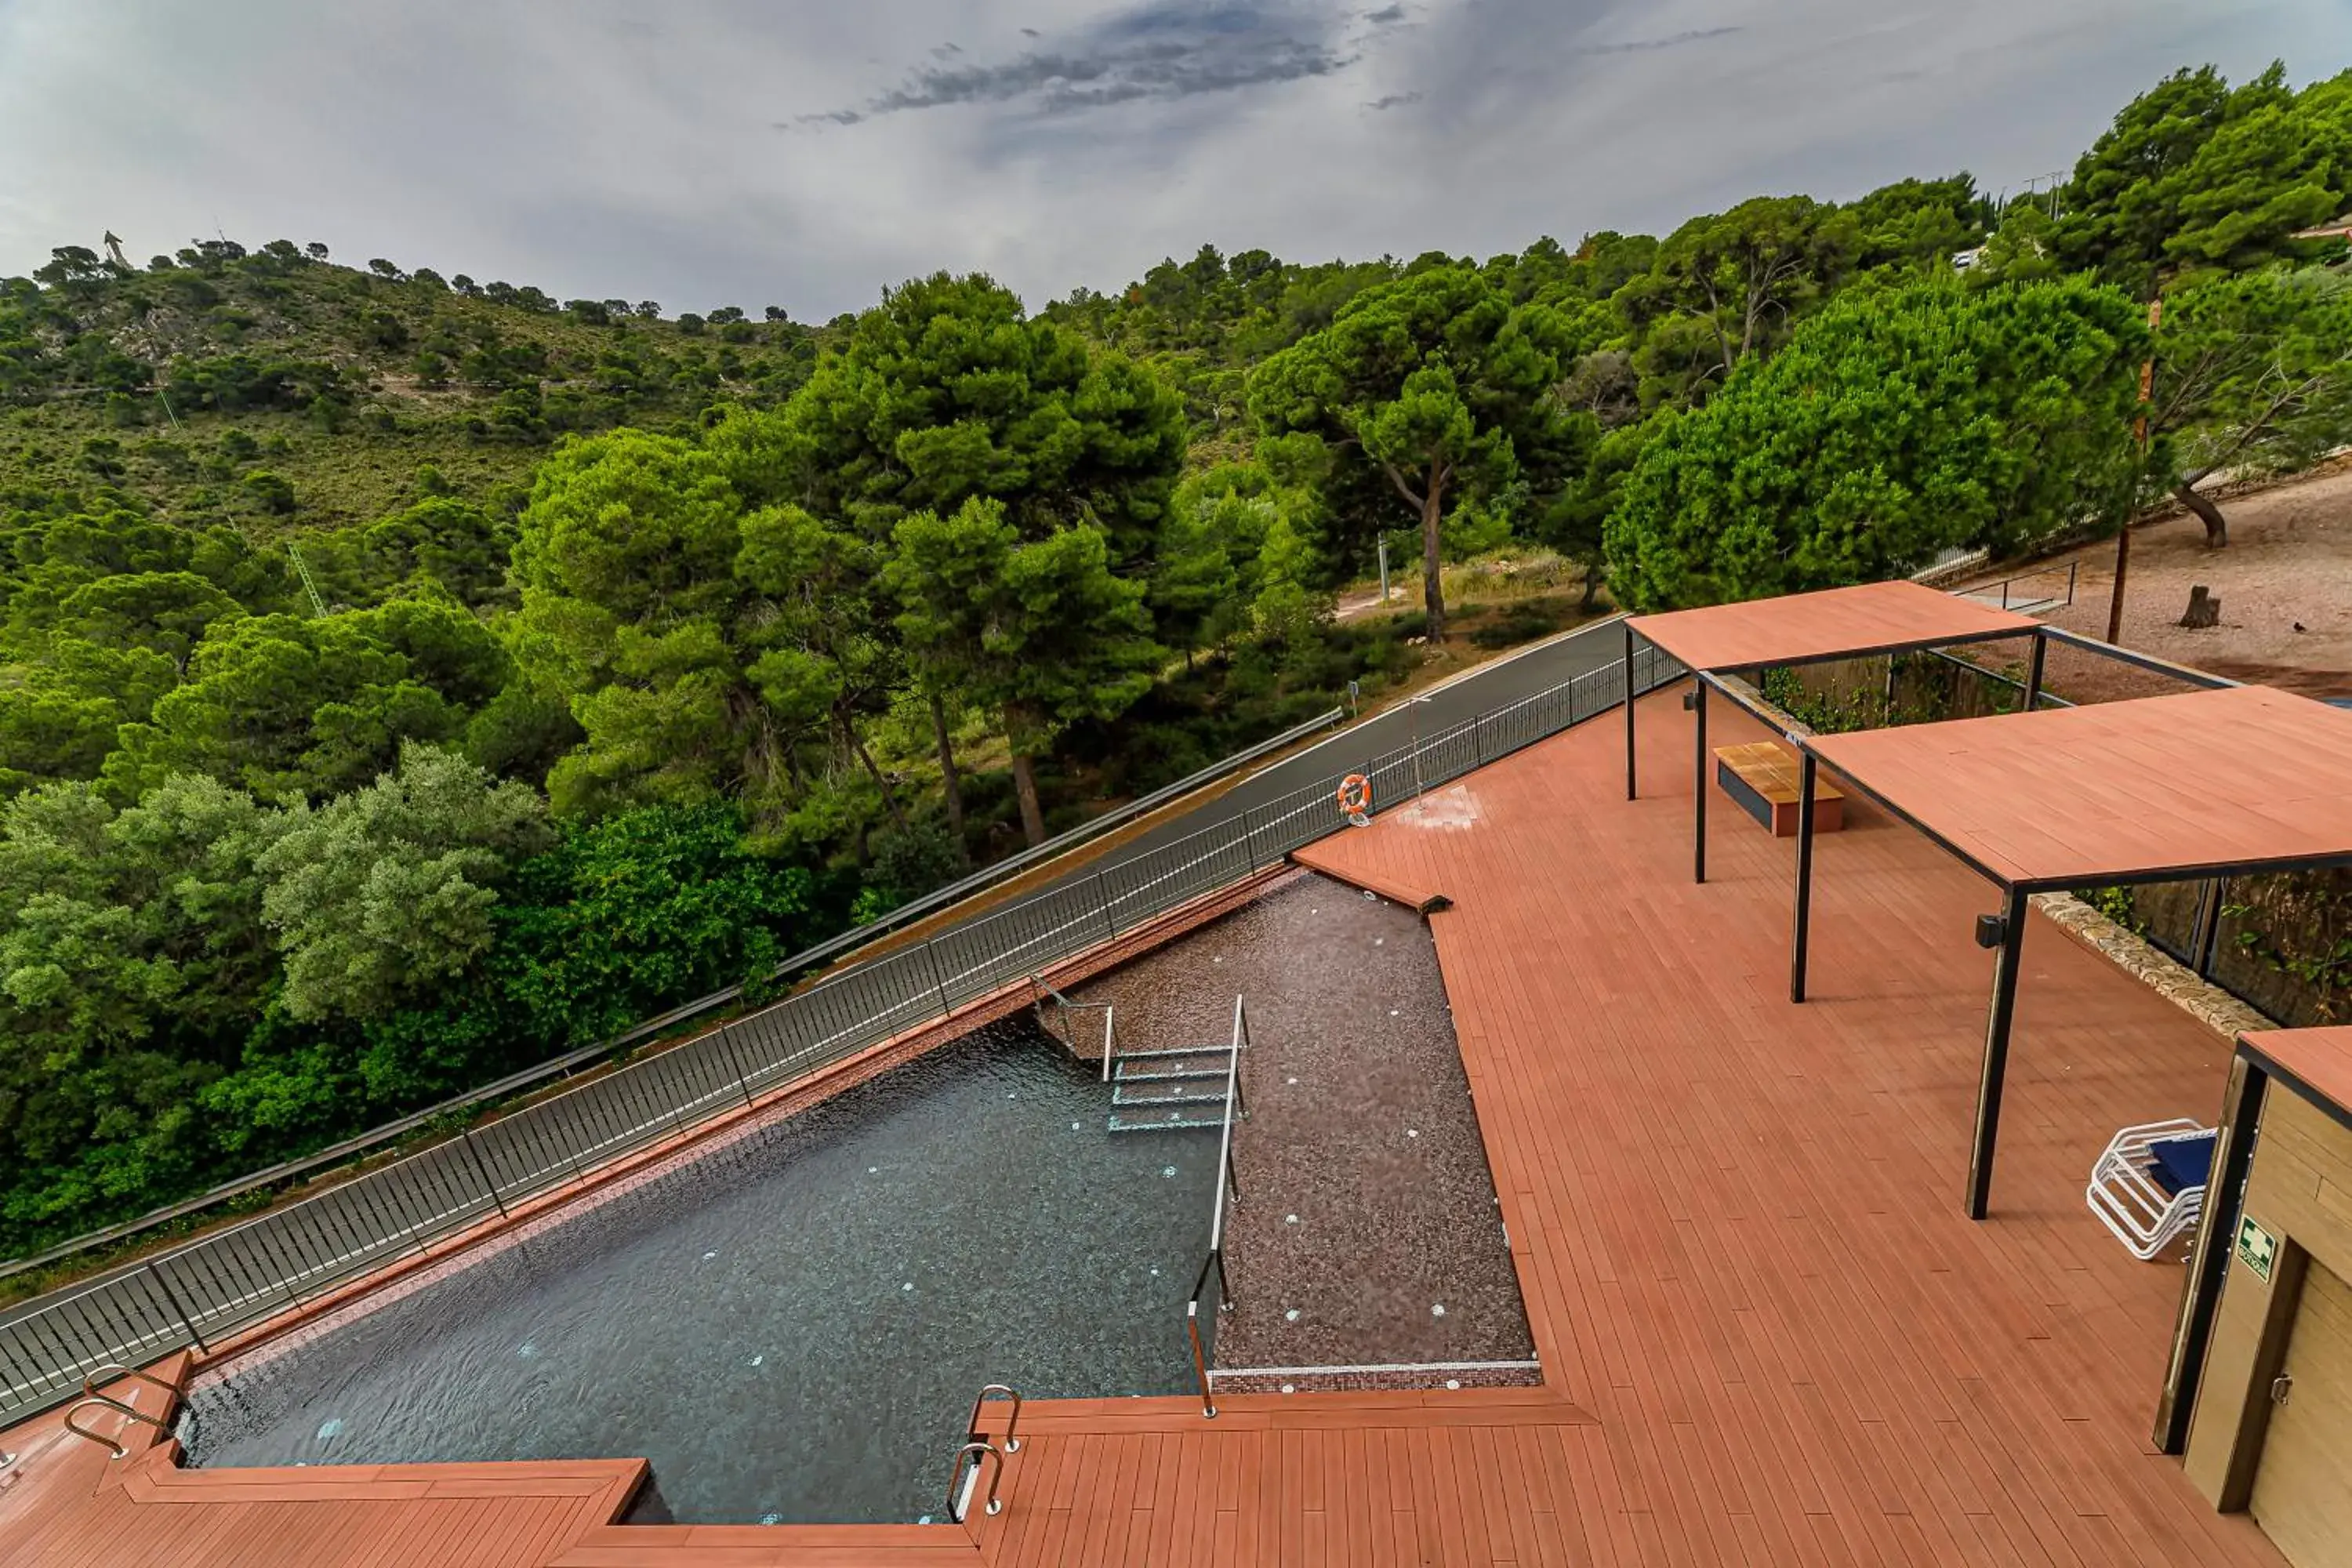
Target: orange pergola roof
1873, 617
2201, 783
2319, 1061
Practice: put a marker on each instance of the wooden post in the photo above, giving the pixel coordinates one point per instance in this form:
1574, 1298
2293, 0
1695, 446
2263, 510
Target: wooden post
2139, 434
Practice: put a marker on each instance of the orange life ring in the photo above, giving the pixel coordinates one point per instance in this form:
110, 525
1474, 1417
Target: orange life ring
1355, 794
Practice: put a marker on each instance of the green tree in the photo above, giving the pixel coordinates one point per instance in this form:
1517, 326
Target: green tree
625, 563
1042, 633
2273, 167
132, 955
1893, 426
293, 708
1730, 285
388, 889
1918, 226
638, 911
947, 391
1435, 387
2254, 375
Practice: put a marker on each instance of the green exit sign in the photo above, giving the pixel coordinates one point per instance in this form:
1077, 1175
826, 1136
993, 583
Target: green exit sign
2257, 1248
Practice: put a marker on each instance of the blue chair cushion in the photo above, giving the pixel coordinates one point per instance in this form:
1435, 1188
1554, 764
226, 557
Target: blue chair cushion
2182, 1163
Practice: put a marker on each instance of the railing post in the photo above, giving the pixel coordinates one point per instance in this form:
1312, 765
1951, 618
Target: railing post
465, 1136
939, 978
1102, 897
173, 1301
742, 1077
1200, 1361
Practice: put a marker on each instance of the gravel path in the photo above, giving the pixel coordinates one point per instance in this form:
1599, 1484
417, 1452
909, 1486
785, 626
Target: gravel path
2284, 581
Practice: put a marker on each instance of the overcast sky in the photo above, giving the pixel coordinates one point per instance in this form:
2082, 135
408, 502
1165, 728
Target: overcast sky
807, 154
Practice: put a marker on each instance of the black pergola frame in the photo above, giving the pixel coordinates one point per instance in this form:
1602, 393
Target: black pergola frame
1705, 679
2002, 1015
2010, 929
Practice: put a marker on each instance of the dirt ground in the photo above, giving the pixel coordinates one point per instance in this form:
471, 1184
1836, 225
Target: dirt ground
2284, 581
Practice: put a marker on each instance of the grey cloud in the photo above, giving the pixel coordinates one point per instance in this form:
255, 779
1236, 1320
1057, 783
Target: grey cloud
1671, 41
1393, 100
550, 142
1160, 50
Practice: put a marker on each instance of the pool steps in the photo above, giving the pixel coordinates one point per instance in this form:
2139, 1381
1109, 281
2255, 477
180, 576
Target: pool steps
1185, 1088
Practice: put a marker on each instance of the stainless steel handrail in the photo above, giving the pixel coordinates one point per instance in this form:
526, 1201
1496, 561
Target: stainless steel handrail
105, 1403
1066, 1034
956, 1480
971, 1427
1226, 1191
90, 1379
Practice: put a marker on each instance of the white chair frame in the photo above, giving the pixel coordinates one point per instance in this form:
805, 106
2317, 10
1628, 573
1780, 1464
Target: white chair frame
2127, 1200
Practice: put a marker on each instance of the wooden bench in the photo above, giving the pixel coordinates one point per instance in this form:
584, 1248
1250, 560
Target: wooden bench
1763, 779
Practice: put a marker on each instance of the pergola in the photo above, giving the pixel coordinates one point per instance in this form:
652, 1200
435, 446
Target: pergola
2229, 781
1809, 628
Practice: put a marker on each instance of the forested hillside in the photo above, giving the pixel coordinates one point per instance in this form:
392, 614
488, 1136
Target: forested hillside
402, 679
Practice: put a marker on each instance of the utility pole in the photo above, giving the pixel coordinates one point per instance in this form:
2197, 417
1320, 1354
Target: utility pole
1384, 568
2141, 435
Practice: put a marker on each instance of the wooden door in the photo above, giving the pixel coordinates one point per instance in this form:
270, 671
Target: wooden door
2303, 1483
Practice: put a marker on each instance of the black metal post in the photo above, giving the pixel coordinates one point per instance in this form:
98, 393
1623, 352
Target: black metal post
173, 1301
1102, 895
490, 1186
1996, 1053
1806, 783
742, 1078
2209, 1257
939, 980
1628, 710
1698, 782
2033, 671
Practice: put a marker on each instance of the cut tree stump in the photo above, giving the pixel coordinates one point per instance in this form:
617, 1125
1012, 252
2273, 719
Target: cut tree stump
2204, 609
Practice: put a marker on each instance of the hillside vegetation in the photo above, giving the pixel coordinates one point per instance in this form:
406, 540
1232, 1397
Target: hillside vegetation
402, 679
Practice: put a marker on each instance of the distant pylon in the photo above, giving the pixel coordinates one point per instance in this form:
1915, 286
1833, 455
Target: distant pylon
114, 249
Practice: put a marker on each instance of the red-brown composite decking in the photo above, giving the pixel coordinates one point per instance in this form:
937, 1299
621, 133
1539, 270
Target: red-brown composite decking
1769, 1335
2240, 775
1870, 618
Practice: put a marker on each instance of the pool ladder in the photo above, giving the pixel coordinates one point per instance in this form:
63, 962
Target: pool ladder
92, 1399
978, 1450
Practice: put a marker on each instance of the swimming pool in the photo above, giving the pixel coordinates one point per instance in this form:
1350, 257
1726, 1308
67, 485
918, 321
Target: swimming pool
790, 1326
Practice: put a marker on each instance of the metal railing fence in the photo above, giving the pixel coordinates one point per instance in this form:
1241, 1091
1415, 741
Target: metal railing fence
202, 1292
832, 949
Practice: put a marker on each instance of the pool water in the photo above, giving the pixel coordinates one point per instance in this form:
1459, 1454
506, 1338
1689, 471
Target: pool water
792, 1326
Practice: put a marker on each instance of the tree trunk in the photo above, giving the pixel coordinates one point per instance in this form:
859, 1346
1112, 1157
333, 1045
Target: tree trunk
2217, 527
2115, 599
1433, 584
889, 795
948, 775
1592, 574
1024, 785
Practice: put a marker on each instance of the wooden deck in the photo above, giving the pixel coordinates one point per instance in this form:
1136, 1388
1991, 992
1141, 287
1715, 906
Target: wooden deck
1769, 1335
